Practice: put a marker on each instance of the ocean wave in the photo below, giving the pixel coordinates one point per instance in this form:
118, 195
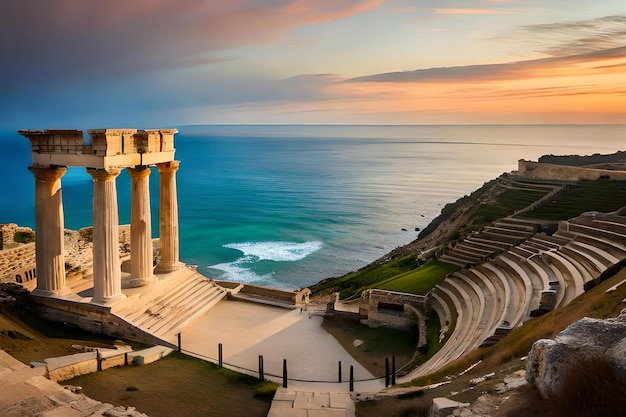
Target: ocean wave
239, 271
277, 251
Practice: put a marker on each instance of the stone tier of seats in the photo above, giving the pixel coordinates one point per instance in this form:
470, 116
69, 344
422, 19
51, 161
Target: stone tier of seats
538, 274
180, 300
490, 241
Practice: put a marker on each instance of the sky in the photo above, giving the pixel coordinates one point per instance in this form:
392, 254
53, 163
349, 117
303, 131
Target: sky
165, 63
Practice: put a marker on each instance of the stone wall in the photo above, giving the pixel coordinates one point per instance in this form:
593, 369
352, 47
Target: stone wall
541, 171
8, 233
298, 297
392, 309
19, 261
92, 318
17, 264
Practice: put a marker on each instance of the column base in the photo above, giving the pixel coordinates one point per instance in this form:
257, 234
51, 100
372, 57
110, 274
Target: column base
46, 293
139, 282
108, 300
162, 269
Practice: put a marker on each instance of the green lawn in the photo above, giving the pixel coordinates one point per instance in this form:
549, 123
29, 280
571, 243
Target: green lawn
420, 280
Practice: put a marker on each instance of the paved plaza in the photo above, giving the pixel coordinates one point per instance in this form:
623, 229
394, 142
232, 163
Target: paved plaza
247, 330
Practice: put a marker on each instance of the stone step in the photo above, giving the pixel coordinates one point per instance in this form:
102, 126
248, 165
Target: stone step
193, 296
198, 308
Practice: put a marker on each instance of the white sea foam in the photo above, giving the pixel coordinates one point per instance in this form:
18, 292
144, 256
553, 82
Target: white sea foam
236, 271
241, 269
276, 251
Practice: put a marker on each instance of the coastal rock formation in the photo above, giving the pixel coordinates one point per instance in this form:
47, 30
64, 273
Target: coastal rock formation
550, 362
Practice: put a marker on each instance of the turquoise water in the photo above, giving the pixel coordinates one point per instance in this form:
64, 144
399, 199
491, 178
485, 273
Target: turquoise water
289, 205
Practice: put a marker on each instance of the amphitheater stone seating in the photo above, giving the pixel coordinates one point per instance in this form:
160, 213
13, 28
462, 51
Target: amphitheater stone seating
524, 286
581, 260
485, 300
441, 307
574, 283
514, 299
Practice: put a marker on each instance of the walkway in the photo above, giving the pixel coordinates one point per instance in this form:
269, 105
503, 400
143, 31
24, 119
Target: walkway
247, 330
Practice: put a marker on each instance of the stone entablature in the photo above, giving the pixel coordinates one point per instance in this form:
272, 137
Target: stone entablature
109, 148
539, 170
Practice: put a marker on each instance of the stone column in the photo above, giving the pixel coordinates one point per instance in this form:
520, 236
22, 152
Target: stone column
168, 217
49, 224
107, 273
140, 228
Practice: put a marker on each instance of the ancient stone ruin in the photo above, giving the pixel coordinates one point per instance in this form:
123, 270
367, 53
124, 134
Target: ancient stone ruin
109, 151
551, 361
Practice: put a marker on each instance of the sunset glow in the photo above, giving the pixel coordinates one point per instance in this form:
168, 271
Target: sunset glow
178, 62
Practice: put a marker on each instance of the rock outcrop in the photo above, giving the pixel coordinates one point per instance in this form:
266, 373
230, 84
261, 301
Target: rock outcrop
551, 361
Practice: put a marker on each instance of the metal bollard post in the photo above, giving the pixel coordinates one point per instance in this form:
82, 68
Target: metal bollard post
180, 348
261, 371
339, 371
386, 372
219, 354
351, 378
284, 373
393, 370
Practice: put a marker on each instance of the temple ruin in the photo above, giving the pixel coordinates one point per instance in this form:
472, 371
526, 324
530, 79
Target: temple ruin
109, 152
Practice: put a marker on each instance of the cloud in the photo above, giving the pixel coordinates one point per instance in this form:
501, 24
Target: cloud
69, 41
500, 71
576, 37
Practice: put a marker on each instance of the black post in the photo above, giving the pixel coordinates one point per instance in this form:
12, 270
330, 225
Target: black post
125, 358
351, 378
386, 372
219, 354
393, 370
339, 371
180, 348
99, 360
261, 372
284, 373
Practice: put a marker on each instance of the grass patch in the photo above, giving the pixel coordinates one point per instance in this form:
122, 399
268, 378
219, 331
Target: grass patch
380, 343
369, 277
575, 199
24, 237
182, 385
433, 330
420, 280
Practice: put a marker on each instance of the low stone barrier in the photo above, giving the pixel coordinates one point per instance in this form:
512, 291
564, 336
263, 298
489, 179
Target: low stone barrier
71, 366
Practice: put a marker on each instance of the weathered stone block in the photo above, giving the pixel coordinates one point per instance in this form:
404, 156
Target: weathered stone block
550, 361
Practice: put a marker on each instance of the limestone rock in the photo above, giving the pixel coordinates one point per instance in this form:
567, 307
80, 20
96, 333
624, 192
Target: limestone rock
549, 361
443, 407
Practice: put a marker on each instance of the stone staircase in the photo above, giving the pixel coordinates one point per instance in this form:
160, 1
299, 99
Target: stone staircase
172, 304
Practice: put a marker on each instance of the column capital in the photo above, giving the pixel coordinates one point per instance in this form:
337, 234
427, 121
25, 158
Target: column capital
47, 174
171, 166
99, 174
139, 171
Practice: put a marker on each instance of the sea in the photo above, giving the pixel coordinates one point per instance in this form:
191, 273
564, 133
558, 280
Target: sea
289, 205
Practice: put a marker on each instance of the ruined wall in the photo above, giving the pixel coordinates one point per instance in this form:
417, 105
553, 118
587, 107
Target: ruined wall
8, 233
536, 170
393, 309
299, 297
92, 318
18, 264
